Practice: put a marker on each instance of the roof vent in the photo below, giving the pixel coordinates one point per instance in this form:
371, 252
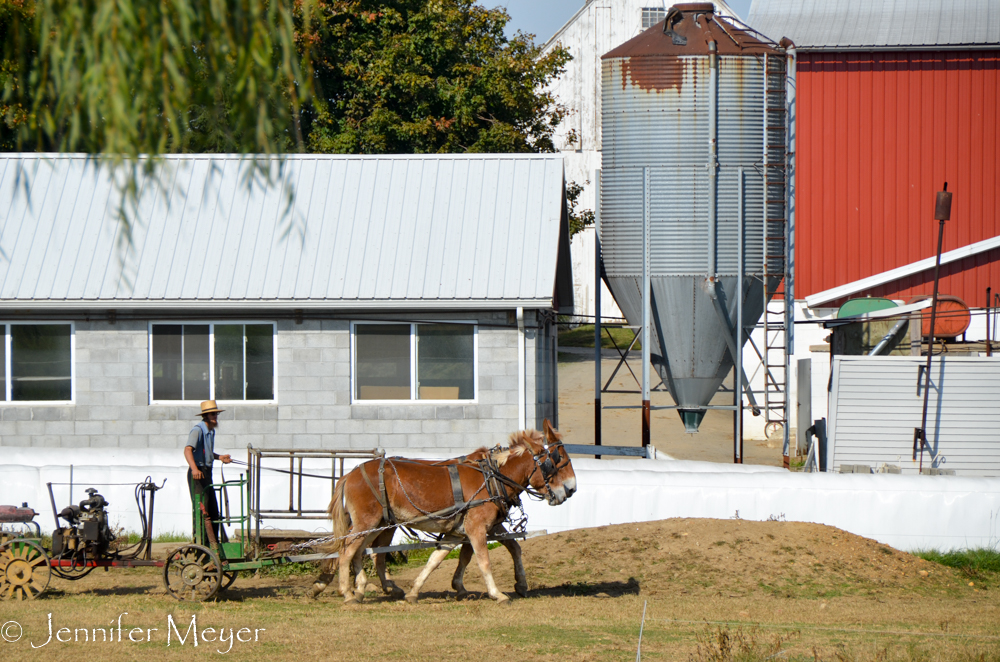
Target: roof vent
677, 13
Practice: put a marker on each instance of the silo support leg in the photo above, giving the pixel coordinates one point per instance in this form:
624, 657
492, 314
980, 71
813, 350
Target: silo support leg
731, 343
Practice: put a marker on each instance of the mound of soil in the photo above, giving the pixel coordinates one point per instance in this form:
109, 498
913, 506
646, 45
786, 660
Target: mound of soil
702, 556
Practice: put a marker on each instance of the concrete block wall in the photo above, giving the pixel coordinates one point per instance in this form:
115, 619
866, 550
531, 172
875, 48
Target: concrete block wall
313, 409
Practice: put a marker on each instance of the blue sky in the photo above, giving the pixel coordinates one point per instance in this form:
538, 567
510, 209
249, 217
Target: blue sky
543, 17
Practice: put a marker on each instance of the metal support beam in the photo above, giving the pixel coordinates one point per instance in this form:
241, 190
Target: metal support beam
738, 357
646, 306
597, 310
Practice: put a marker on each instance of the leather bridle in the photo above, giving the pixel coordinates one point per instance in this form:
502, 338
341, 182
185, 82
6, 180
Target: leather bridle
552, 464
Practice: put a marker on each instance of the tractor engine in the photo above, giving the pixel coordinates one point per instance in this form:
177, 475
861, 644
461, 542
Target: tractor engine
88, 531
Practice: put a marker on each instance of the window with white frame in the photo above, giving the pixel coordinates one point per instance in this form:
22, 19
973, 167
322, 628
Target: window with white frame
37, 362
652, 15
394, 361
212, 361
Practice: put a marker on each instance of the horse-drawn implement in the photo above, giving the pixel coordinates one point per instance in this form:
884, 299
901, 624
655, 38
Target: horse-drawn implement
201, 569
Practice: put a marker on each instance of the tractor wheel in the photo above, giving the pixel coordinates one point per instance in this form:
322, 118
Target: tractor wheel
24, 570
192, 573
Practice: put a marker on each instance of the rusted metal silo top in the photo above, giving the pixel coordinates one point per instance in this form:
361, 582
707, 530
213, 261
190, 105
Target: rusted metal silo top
687, 30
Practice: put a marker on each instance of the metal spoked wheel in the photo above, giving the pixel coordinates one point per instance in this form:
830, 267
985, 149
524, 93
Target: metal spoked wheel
228, 579
773, 429
192, 573
24, 570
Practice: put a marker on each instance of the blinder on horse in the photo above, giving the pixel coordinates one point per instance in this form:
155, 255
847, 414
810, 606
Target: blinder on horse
552, 463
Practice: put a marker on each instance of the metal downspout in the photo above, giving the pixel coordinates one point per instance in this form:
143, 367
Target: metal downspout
521, 403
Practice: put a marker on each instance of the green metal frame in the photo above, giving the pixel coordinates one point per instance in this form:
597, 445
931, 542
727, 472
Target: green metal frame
232, 555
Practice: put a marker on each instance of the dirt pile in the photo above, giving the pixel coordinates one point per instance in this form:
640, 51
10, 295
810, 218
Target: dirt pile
712, 557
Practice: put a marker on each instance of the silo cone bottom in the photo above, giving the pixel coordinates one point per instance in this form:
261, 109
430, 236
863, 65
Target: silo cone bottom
692, 419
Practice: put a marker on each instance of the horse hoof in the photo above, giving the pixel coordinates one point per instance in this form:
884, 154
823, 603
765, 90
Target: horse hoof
503, 600
521, 590
359, 596
462, 595
350, 600
315, 591
398, 593
412, 599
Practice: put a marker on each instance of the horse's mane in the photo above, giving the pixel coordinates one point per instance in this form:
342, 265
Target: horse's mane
520, 443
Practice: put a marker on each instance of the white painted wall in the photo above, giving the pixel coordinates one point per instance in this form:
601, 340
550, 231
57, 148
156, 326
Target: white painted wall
907, 512
582, 254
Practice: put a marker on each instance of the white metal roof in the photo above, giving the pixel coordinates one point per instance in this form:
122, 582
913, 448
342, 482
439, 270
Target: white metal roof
879, 24
443, 231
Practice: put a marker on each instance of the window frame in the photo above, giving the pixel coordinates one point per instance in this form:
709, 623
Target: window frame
646, 15
413, 400
7, 402
211, 360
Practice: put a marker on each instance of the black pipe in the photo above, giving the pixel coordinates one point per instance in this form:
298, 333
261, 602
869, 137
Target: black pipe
942, 212
989, 345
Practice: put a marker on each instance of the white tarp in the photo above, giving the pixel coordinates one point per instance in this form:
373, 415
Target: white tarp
906, 512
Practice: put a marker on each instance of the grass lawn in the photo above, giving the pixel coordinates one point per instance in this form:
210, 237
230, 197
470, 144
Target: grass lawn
583, 336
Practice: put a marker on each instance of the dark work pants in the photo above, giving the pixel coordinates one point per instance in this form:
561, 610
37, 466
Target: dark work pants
203, 488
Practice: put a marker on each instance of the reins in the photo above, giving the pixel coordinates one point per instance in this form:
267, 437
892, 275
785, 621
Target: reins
493, 481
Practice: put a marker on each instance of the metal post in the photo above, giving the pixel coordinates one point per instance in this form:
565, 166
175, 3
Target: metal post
737, 369
713, 162
803, 413
942, 212
790, 92
646, 305
597, 310
989, 343
522, 405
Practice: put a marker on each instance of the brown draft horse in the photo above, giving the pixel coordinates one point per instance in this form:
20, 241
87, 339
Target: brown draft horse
384, 539
423, 497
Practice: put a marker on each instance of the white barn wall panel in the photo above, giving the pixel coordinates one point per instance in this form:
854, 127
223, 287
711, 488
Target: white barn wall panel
876, 402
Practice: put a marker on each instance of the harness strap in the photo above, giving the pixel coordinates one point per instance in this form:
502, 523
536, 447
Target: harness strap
448, 513
386, 512
456, 486
380, 494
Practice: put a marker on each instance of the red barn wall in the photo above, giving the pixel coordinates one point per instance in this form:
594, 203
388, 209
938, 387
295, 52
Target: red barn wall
878, 134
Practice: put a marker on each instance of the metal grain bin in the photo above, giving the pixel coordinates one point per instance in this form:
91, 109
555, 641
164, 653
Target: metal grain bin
694, 99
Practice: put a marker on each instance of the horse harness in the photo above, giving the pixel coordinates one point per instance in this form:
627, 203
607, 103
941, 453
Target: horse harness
494, 482
552, 464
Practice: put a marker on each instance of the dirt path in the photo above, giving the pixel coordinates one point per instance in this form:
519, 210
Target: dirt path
759, 590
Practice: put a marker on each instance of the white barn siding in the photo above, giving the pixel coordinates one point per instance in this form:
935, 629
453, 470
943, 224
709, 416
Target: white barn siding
875, 403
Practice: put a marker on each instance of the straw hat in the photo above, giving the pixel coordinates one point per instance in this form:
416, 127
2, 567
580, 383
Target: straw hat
209, 407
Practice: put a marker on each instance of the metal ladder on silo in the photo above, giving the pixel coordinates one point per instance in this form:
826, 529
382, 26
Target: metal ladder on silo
777, 318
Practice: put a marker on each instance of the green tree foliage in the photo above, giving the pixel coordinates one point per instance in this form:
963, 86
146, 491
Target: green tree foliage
578, 219
121, 78
427, 76
15, 17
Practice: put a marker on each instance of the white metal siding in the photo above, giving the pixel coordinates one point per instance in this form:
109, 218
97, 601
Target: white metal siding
879, 23
875, 403
403, 230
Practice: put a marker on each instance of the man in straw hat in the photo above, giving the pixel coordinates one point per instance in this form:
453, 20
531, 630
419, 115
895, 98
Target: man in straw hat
200, 453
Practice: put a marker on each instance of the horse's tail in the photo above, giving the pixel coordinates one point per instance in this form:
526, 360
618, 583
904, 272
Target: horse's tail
339, 515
